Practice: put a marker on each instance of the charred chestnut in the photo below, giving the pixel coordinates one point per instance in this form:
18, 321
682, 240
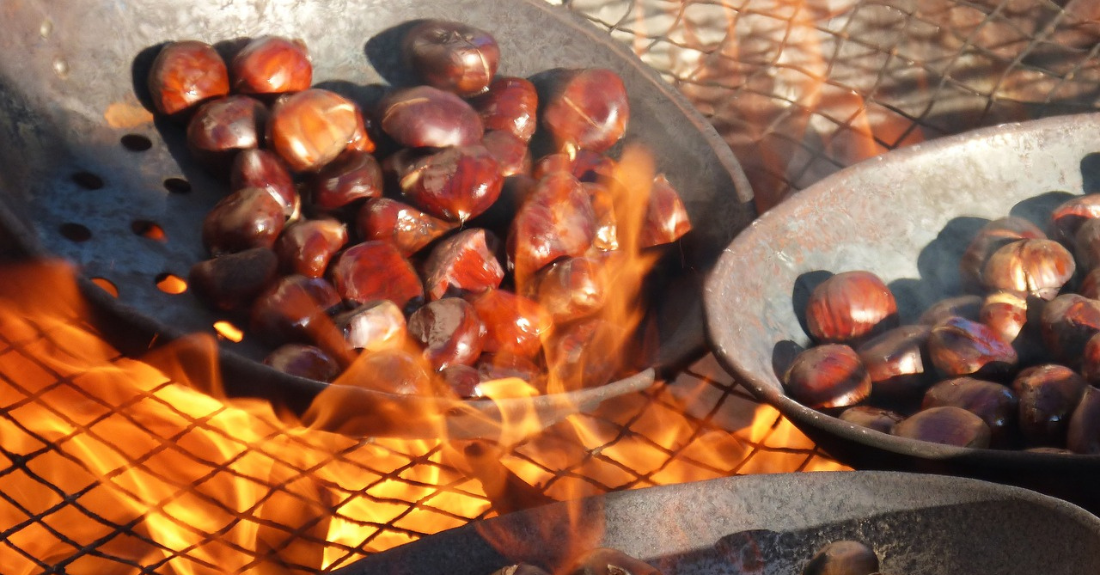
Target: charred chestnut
452, 56
849, 307
829, 375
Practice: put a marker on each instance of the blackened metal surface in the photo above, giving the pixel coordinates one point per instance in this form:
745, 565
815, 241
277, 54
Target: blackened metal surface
906, 216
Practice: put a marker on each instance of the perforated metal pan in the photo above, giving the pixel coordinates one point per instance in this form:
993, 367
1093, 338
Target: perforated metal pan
84, 168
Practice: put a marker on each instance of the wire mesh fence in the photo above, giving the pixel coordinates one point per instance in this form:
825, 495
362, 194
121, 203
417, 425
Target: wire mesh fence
110, 466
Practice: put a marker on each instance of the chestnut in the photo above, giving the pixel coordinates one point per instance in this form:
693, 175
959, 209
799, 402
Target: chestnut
426, 117
352, 176
513, 323
666, 218
463, 263
223, 127
393, 371
556, 220
607, 223
510, 105
1086, 244
255, 168
463, 381
452, 56
1083, 433
960, 347
875, 418
406, 227
989, 239
996, 404
550, 163
1048, 395
185, 74
1006, 313
1067, 323
272, 65
572, 288
307, 246
945, 425
311, 128
293, 309
586, 353
1035, 267
492, 366
850, 307
303, 360
247, 218
1068, 217
587, 109
897, 362
1090, 286
843, 558
602, 561
450, 332
966, 306
829, 375
376, 270
232, 280
594, 167
372, 326
510, 152
455, 184
1090, 360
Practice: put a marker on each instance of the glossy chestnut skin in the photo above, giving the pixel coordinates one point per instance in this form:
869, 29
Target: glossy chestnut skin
455, 184
1086, 244
510, 152
571, 288
586, 353
233, 280
897, 362
255, 168
828, 375
1067, 323
450, 332
966, 306
307, 246
272, 65
1090, 285
588, 109
393, 371
221, 128
850, 307
513, 324
376, 270
185, 74
352, 176
1083, 433
406, 227
946, 425
1005, 313
876, 418
1090, 360
294, 309
1068, 217
511, 105
463, 263
463, 381
1048, 395
961, 347
989, 239
452, 56
426, 117
556, 220
1035, 267
996, 404
373, 326
247, 218
607, 223
303, 361
843, 558
311, 128
666, 218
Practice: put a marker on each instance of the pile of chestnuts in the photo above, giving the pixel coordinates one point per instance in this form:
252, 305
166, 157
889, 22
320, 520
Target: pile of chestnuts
1012, 364
373, 237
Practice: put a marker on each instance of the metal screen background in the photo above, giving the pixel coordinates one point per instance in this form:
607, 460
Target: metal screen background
798, 90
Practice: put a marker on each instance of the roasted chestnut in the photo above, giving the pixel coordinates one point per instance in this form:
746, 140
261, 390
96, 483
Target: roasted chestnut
223, 127
233, 280
666, 218
303, 361
311, 128
587, 109
572, 288
555, 221
1086, 244
1067, 323
960, 347
452, 56
255, 168
393, 371
509, 105
376, 270
996, 404
1048, 395
406, 227
372, 326
586, 353
272, 65
185, 74
455, 184
989, 239
897, 362
307, 246
843, 558
965, 306
294, 309
352, 176
1035, 267
875, 418
1083, 433
850, 307
947, 425
450, 332
426, 117
1068, 217
829, 375
463, 263
247, 218
510, 152
513, 323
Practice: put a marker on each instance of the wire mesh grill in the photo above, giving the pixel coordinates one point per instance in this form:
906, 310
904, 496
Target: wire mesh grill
179, 483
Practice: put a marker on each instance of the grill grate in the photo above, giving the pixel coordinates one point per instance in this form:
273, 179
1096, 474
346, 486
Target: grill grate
799, 90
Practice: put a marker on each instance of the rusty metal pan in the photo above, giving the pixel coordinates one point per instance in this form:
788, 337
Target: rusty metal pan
773, 524
907, 216
84, 169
